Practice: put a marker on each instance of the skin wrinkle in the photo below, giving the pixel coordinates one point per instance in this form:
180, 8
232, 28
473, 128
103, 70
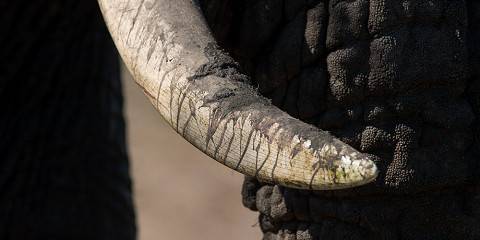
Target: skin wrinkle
388, 98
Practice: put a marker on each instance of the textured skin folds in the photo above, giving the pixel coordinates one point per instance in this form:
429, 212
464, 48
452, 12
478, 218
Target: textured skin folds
394, 79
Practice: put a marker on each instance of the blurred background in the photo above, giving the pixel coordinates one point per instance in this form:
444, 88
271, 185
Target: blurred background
179, 192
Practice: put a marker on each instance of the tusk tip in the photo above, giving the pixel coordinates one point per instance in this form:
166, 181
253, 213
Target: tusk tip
356, 172
346, 173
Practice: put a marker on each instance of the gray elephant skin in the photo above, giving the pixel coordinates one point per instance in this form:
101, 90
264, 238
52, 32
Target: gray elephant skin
396, 79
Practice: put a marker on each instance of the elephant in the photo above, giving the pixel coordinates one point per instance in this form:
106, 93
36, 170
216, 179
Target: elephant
350, 119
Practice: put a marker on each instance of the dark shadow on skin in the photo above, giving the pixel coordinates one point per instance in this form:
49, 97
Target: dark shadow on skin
64, 171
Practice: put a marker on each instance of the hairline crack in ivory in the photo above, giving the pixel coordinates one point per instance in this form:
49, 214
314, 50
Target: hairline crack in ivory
166, 43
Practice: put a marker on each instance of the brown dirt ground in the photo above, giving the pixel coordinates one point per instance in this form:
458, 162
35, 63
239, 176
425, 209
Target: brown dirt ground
180, 193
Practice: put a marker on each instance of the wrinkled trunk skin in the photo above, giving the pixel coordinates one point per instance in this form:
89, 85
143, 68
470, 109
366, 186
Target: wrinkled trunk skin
396, 79
64, 169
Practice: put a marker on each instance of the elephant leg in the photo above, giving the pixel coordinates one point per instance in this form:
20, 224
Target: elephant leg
64, 170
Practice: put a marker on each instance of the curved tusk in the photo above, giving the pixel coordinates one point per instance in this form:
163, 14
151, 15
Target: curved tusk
168, 48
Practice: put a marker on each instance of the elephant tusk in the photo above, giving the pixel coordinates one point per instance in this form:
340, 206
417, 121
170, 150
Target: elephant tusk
198, 90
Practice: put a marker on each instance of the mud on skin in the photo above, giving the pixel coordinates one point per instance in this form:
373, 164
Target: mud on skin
394, 79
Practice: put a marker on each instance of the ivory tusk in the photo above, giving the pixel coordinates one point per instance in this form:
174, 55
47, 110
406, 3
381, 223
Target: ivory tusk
199, 91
